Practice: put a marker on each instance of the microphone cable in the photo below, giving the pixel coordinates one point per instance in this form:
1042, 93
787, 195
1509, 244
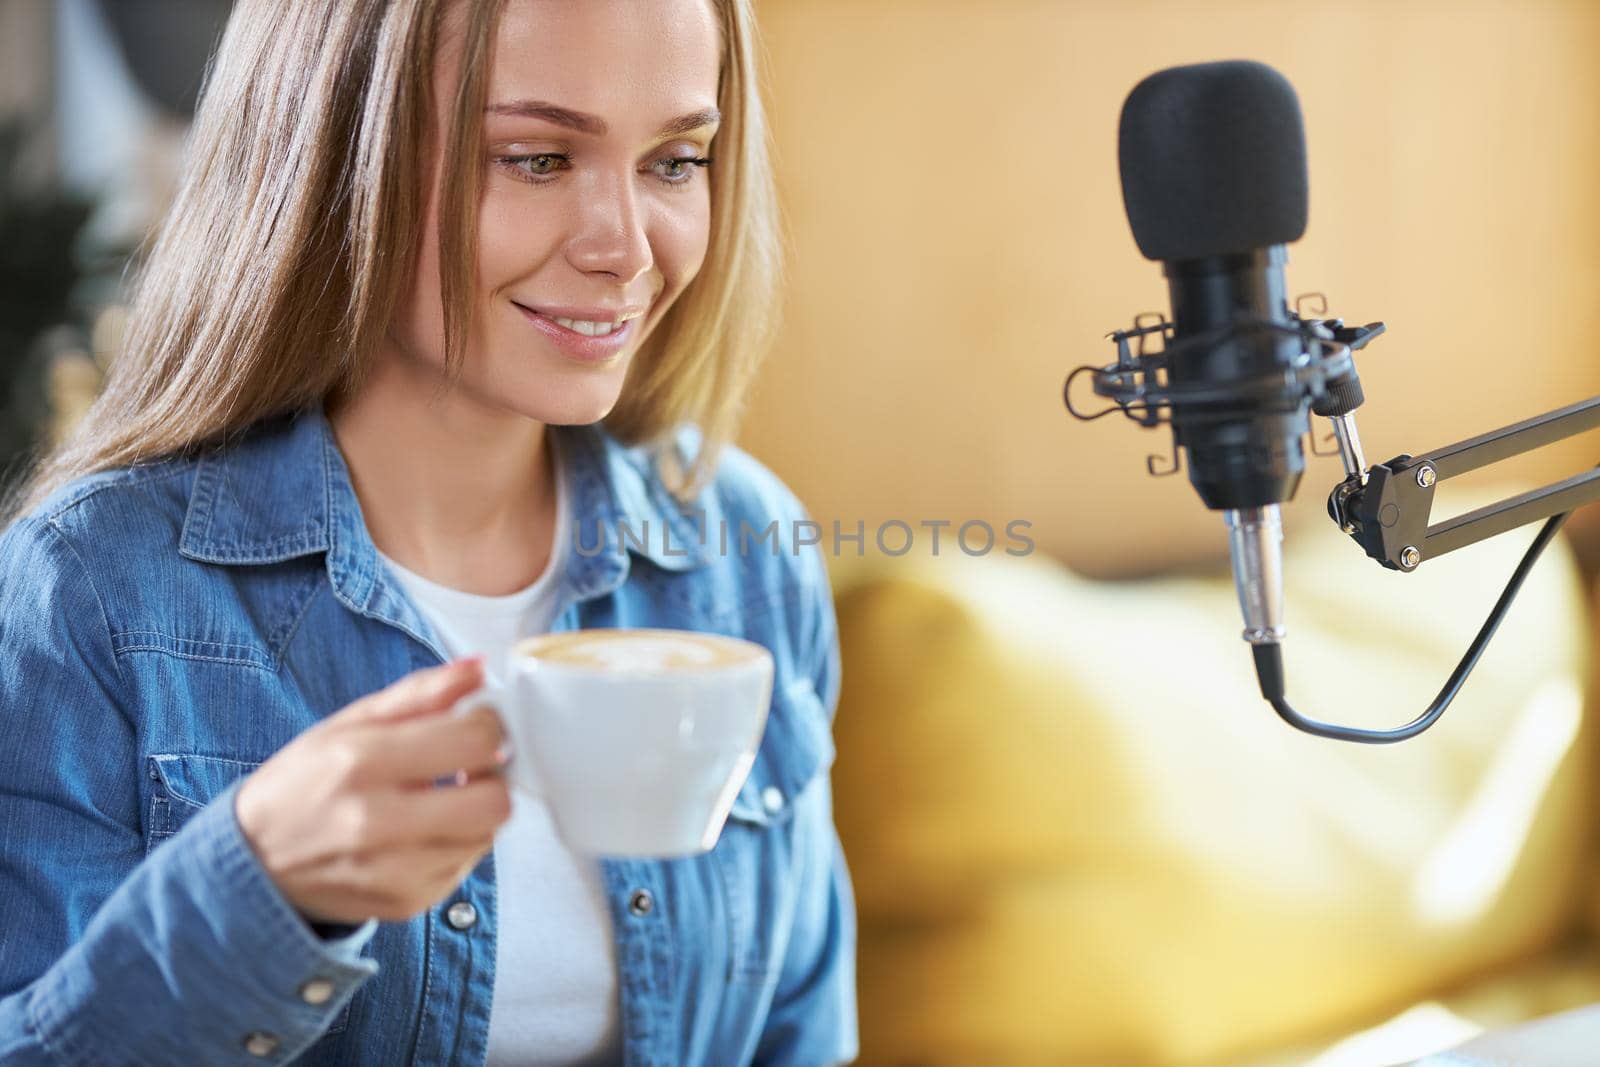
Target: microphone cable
1269, 664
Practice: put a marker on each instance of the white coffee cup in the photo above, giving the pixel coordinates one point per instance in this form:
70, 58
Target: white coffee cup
637, 739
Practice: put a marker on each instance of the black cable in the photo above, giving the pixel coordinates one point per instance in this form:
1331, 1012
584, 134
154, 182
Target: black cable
1269, 664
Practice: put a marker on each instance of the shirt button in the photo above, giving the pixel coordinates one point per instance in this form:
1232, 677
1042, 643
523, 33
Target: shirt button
462, 915
317, 991
260, 1044
641, 903
772, 799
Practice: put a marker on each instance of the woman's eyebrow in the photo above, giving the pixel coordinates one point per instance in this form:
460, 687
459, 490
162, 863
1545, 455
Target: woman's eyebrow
593, 124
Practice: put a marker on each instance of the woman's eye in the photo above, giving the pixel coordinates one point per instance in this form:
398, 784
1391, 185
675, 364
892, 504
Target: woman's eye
539, 166
543, 167
679, 170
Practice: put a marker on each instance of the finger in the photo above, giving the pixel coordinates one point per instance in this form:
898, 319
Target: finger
397, 884
445, 863
431, 815
420, 692
422, 749
464, 777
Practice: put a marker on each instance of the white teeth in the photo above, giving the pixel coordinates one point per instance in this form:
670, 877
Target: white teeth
588, 329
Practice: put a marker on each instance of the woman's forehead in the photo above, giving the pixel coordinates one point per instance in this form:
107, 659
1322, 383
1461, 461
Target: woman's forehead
624, 61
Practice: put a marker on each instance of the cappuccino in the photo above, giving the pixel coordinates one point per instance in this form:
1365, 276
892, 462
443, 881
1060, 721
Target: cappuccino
637, 740
652, 652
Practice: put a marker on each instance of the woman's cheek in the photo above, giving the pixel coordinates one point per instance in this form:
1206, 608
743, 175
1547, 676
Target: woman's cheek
514, 234
685, 235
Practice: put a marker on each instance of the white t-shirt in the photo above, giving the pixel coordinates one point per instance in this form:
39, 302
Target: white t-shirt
555, 984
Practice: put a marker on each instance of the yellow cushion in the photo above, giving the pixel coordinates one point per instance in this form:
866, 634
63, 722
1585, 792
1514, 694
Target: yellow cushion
1078, 835
1559, 981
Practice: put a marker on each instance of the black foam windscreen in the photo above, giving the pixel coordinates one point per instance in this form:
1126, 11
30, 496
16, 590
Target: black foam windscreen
1213, 161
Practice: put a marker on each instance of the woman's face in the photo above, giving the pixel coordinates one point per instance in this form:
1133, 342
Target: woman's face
594, 215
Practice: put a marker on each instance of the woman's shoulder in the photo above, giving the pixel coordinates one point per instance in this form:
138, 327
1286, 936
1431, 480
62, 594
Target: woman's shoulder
95, 543
744, 513
138, 511
745, 485
752, 515
122, 507
742, 486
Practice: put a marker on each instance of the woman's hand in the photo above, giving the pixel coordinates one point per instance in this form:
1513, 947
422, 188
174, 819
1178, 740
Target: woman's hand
346, 818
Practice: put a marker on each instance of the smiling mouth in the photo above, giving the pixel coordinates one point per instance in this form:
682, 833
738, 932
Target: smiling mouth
589, 339
587, 327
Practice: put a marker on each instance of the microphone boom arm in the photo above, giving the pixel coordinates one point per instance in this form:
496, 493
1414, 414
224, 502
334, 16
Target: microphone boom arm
1386, 509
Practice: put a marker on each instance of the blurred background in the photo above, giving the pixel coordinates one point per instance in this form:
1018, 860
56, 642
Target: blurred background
1077, 835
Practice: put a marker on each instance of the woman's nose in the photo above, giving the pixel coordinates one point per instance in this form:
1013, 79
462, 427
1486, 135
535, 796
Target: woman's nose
611, 237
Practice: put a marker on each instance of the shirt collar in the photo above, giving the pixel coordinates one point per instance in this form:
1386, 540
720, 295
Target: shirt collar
284, 491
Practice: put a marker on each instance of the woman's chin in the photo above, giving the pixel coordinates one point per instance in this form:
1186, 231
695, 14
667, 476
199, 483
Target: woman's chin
570, 411
550, 396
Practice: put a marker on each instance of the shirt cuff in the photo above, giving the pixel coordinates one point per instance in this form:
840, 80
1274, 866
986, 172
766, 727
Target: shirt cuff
345, 946
228, 971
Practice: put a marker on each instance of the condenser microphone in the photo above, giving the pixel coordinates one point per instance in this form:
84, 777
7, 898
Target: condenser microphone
1213, 165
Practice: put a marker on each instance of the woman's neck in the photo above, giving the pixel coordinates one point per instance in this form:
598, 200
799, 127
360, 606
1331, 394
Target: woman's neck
454, 489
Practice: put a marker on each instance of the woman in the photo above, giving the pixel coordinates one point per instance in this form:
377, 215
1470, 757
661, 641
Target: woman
440, 274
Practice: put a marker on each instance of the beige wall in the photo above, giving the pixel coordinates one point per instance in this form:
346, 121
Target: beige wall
949, 175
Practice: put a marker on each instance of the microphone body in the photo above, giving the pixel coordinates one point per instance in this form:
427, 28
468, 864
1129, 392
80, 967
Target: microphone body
1237, 459
1212, 159
1243, 463
1213, 168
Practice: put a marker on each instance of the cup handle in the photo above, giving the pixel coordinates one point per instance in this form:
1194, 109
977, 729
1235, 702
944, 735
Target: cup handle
519, 771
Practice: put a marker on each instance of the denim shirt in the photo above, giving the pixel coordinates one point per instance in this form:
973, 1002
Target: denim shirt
165, 628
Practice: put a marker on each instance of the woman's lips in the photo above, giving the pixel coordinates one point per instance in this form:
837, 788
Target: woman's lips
580, 346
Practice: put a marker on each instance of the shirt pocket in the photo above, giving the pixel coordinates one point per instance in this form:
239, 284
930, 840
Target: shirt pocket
757, 855
182, 784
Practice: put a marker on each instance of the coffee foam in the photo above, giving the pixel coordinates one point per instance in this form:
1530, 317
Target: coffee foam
639, 651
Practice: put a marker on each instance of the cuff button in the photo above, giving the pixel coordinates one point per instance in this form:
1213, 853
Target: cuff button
261, 1044
317, 991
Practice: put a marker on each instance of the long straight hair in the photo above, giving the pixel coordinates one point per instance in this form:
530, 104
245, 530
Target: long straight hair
275, 274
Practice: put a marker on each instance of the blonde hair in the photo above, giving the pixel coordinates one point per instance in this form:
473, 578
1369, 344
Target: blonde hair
275, 274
